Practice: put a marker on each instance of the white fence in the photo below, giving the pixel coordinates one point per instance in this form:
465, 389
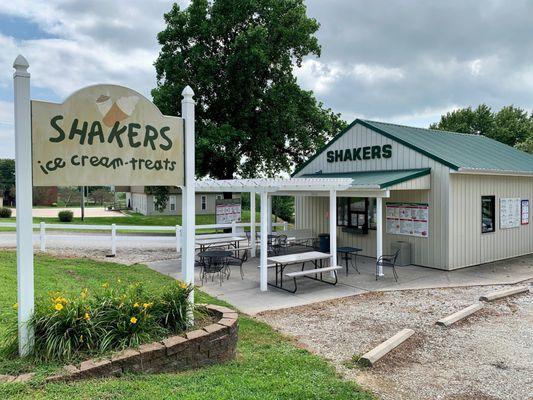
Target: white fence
236, 229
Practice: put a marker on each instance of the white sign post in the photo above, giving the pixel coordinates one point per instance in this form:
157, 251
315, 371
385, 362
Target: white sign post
23, 174
188, 192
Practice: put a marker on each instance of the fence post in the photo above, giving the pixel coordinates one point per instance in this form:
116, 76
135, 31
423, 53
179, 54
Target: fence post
113, 240
233, 227
178, 238
285, 225
42, 236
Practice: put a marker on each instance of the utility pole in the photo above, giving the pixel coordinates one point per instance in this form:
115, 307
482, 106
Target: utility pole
82, 203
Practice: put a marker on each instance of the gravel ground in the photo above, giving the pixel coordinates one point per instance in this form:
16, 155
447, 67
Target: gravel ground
487, 356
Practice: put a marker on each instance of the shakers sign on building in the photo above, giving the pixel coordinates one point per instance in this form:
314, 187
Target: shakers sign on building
106, 135
360, 153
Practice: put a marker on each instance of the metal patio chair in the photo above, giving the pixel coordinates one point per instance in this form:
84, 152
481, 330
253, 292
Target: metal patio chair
388, 261
238, 260
279, 246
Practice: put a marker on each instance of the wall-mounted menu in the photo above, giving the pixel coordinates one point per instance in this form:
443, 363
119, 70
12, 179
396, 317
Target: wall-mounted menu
509, 213
525, 212
410, 219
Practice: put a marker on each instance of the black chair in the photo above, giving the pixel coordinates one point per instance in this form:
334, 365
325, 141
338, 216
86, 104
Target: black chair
279, 246
388, 261
238, 260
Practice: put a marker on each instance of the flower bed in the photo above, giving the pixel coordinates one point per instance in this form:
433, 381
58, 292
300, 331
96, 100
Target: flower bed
213, 344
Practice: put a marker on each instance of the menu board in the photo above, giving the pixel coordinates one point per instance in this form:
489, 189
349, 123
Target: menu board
410, 219
524, 212
228, 211
510, 213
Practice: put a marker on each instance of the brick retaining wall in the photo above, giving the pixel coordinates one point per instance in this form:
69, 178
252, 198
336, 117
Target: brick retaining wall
213, 344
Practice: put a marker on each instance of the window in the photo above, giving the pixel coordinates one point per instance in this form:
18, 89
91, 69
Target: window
357, 213
172, 203
219, 197
488, 214
203, 202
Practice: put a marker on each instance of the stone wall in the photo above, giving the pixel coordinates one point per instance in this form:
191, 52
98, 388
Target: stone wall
213, 344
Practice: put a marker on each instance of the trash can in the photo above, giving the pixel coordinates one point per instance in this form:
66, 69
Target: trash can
404, 258
323, 242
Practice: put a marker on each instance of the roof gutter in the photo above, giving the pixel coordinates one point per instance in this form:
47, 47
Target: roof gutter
478, 171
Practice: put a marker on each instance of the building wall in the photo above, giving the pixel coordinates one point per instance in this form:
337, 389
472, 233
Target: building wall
432, 251
144, 203
468, 246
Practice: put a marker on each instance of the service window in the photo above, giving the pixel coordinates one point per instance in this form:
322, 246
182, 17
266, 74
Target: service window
356, 212
488, 214
203, 202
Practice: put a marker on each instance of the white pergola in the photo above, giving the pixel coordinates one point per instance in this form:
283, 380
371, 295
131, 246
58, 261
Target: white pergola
326, 187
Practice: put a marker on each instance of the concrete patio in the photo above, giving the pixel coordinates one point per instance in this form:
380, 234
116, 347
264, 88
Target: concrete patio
246, 296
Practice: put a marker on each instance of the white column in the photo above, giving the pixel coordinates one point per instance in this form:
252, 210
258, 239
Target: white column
264, 238
269, 207
23, 174
333, 226
252, 223
379, 232
188, 211
42, 235
178, 239
113, 240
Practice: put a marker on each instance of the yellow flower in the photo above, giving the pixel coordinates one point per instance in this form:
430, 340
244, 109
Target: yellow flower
133, 320
105, 285
16, 305
84, 293
87, 317
58, 306
183, 285
147, 305
136, 305
81, 338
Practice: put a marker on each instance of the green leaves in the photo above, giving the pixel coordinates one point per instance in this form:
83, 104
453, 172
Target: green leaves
511, 125
252, 117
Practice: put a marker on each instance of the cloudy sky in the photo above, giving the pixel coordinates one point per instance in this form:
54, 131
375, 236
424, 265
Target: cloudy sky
392, 60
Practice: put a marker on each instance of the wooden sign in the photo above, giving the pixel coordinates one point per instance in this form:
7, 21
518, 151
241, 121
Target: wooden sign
106, 135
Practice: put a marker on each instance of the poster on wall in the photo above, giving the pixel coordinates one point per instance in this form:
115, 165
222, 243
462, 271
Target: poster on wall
524, 212
228, 211
410, 219
509, 213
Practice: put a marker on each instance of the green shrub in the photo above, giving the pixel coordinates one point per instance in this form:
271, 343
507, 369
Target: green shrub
65, 216
115, 318
5, 212
53, 205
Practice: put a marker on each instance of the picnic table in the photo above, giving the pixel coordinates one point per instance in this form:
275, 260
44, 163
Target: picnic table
316, 258
234, 241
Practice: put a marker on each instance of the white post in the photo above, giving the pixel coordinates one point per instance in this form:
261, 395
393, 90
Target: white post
269, 207
113, 240
264, 238
23, 174
42, 236
252, 224
333, 226
233, 227
178, 238
379, 233
285, 225
188, 210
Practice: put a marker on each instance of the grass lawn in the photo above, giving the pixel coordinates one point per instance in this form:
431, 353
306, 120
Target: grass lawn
268, 365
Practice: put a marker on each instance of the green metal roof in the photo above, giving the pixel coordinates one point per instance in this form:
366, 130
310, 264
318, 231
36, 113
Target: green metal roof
456, 150
374, 179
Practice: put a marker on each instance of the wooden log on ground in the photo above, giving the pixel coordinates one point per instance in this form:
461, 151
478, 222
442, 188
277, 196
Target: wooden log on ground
503, 293
465, 312
379, 351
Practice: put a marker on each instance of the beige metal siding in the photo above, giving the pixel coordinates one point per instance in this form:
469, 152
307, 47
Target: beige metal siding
431, 251
468, 246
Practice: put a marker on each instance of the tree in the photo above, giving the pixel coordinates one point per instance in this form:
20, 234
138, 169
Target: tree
252, 117
7, 177
283, 207
526, 145
69, 194
101, 195
510, 125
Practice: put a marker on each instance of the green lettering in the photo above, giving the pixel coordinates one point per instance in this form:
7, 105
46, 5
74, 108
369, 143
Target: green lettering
366, 153
376, 152
61, 133
96, 130
330, 156
338, 155
347, 155
150, 136
356, 154
163, 133
75, 131
386, 151
115, 134
132, 133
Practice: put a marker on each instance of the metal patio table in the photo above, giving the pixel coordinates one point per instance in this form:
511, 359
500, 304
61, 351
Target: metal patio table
350, 251
216, 262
